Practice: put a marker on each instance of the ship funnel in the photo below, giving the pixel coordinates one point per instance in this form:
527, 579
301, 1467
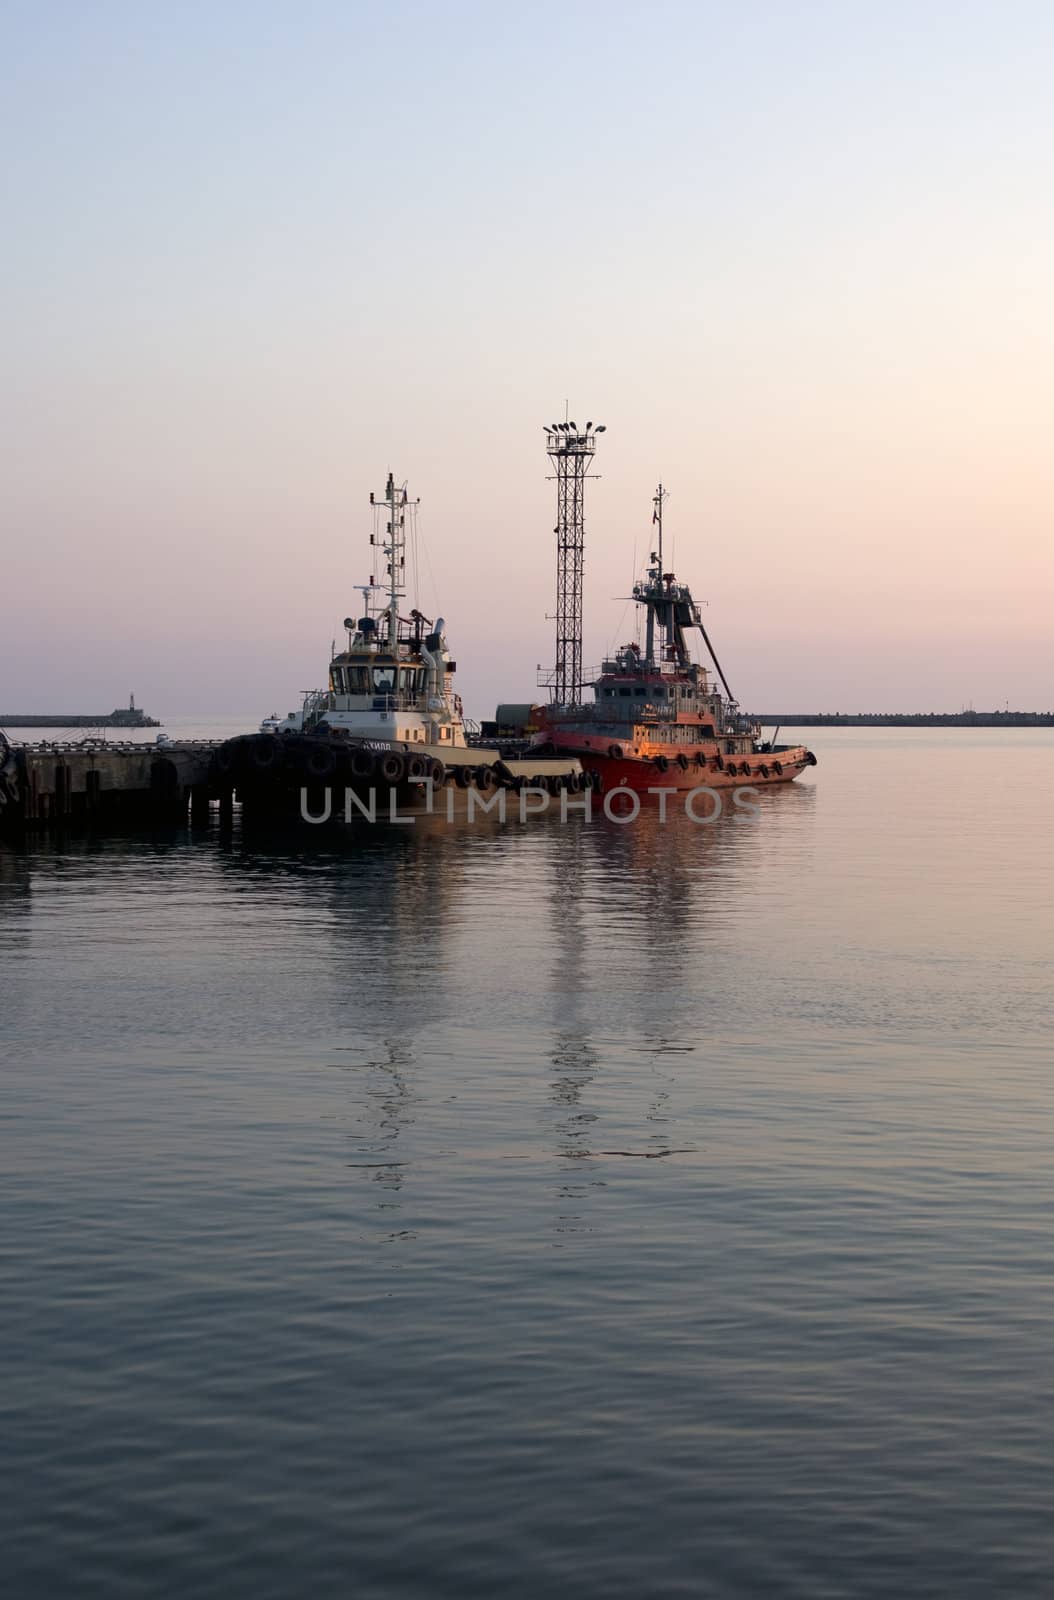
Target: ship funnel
432, 654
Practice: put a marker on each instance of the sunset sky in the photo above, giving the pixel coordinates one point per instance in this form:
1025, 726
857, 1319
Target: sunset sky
799, 259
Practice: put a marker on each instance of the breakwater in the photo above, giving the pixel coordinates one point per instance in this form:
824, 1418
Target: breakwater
906, 719
126, 717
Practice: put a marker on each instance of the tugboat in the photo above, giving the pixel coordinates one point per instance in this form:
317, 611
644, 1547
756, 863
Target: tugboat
656, 720
389, 719
391, 682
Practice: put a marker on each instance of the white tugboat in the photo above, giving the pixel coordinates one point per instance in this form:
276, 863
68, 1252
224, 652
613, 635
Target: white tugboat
391, 684
389, 716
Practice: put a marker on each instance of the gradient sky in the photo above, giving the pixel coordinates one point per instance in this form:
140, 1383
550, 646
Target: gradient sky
799, 258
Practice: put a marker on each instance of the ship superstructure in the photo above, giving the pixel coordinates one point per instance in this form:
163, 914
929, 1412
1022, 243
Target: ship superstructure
391, 682
387, 734
655, 710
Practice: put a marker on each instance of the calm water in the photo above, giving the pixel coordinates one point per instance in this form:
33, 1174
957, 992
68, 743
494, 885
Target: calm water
597, 1211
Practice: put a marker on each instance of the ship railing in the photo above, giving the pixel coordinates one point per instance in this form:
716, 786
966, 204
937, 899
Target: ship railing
399, 701
614, 668
318, 701
87, 747
402, 701
620, 709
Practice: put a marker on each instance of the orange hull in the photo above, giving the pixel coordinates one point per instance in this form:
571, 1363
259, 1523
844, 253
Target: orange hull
679, 767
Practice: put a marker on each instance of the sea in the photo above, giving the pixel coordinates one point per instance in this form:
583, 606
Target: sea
584, 1208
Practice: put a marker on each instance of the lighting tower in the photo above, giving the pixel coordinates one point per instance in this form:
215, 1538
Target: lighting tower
571, 453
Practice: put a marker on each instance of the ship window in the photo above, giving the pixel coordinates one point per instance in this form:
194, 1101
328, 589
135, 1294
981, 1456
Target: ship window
338, 680
625, 693
408, 679
639, 691
383, 680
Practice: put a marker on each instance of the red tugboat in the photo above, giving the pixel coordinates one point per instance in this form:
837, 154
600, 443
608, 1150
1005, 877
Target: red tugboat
656, 720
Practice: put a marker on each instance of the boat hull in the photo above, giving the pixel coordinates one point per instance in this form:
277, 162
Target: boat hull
321, 779
680, 768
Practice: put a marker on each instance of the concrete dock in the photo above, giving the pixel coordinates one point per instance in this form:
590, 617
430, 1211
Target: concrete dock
100, 782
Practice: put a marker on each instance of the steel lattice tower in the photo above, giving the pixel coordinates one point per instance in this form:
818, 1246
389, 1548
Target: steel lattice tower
571, 453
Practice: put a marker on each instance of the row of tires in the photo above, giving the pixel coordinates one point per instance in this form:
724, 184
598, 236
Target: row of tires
733, 769
268, 757
701, 762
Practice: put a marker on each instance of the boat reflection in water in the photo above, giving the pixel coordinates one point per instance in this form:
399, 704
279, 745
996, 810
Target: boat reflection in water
449, 1002
450, 950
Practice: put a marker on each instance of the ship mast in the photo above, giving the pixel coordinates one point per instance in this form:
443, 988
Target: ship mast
393, 549
657, 501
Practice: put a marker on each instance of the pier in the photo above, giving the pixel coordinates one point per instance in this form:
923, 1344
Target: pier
47, 784
104, 787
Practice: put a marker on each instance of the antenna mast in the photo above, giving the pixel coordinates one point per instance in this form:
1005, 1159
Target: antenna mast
393, 549
657, 500
571, 453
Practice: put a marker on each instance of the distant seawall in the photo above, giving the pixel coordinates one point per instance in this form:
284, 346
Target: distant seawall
908, 719
80, 719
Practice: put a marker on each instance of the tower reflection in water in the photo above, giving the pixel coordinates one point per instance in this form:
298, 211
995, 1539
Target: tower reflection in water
453, 960
633, 911
573, 1054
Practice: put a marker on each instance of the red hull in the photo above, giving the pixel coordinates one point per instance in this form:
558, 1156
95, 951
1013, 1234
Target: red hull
715, 771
